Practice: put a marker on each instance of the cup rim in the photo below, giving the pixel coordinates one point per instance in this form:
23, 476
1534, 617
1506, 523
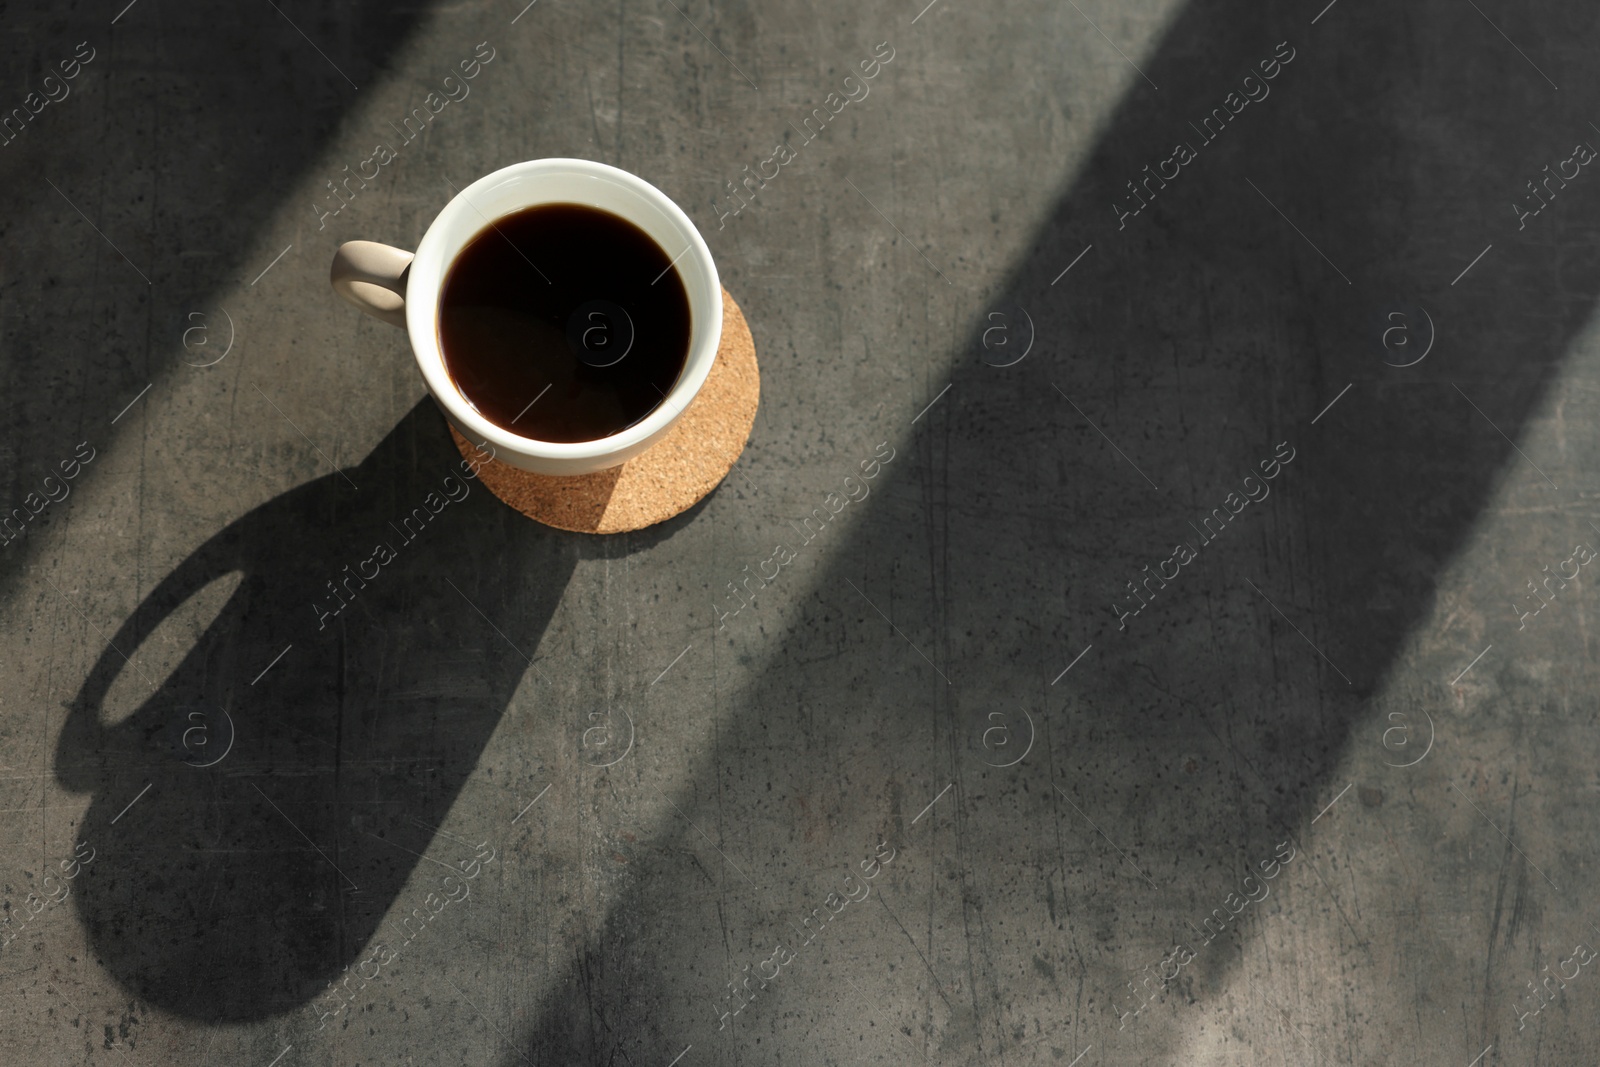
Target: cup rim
437, 251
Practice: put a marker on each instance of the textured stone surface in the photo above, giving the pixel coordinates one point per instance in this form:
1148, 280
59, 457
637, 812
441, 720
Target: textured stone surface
536, 797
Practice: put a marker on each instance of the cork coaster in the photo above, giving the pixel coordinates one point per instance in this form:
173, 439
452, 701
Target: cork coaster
668, 478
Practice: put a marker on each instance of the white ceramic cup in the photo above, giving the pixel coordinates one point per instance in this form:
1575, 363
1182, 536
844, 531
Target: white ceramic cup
401, 288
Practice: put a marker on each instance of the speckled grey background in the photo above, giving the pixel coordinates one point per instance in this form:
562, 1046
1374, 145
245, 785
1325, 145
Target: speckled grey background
540, 798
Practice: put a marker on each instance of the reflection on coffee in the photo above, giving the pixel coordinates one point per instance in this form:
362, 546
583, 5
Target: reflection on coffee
563, 322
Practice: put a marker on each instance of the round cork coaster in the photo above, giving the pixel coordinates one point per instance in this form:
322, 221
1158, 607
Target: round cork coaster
668, 478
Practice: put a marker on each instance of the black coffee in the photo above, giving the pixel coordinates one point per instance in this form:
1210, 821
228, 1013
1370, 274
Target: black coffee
564, 323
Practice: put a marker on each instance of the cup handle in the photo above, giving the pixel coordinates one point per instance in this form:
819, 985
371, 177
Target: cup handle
372, 276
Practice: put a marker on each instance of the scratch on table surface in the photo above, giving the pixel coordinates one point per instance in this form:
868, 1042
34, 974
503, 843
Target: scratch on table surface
1361, 942
931, 972
1504, 875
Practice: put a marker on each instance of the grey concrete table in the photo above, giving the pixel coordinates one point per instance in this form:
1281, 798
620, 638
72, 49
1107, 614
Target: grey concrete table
1178, 420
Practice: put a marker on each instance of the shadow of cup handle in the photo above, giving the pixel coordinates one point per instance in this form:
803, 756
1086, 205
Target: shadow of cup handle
85, 733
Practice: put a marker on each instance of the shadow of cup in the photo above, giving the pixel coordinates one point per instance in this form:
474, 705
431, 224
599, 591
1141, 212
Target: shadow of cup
258, 813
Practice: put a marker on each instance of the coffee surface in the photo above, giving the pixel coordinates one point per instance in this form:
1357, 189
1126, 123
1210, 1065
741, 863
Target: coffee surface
563, 322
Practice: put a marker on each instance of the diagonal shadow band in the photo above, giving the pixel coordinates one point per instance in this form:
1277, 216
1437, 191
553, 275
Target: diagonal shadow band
135, 198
